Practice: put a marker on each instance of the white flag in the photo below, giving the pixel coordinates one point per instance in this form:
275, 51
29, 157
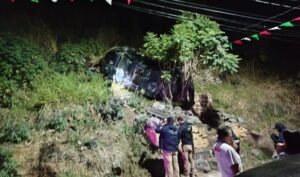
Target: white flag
246, 39
274, 28
109, 1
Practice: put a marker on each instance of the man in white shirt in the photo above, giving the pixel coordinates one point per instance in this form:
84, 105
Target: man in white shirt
228, 160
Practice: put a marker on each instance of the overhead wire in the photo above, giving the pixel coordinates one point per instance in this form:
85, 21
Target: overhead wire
174, 17
179, 10
274, 4
216, 18
220, 9
217, 8
197, 7
266, 20
275, 38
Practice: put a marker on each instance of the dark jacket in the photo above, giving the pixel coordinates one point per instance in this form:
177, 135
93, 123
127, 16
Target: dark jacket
280, 127
185, 134
168, 139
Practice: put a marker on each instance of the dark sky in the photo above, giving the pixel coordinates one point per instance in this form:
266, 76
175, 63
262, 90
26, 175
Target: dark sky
238, 18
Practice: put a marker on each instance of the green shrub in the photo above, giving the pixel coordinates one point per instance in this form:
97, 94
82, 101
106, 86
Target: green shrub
20, 60
58, 124
8, 166
111, 110
73, 137
15, 133
71, 88
70, 58
136, 102
20, 63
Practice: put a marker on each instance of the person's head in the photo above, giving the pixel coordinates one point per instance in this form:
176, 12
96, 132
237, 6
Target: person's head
180, 119
225, 134
170, 120
279, 127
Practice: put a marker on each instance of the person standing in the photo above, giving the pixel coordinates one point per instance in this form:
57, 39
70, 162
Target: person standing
168, 143
228, 160
185, 134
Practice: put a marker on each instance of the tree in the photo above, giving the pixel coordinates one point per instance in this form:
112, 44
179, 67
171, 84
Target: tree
194, 42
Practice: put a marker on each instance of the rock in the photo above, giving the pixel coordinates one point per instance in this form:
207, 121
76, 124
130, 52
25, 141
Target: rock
278, 111
256, 152
202, 165
232, 120
192, 120
117, 167
158, 105
241, 120
201, 161
256, 136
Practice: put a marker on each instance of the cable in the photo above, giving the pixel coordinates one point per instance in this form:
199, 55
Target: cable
279, 39
274, 4
179, 10
221, 9
172, 16
212, 10
152, 12
216, 18
270, 18
254, 31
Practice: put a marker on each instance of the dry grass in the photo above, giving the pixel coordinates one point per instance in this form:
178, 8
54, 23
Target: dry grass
261, 101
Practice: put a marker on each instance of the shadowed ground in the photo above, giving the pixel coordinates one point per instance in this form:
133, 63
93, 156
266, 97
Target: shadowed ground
287, 167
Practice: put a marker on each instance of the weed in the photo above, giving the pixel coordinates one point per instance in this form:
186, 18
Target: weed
20, 63
59, 124
8, 166
73, 137
72, 88
15, 133
111, 110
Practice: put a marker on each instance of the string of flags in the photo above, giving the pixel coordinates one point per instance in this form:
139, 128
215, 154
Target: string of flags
108, 1
268, 32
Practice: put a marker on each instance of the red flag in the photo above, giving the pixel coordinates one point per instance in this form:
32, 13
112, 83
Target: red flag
266, 33
128, 2
238, 42
296, 19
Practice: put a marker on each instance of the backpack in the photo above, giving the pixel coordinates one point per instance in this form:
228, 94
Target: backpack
187, 132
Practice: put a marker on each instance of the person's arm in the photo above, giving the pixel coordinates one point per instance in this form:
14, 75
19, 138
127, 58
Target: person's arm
235, 168
233, 160
158, 129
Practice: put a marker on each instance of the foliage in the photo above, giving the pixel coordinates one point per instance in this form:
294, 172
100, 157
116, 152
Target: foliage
70, 58
71, 88
59, 124
111, 110
194, 41
8, 166
20, 63
15, 132
72, 174
75, 57
137, 101
73, 137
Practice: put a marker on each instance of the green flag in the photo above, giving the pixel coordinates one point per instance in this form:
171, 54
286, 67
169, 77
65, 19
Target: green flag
35, 1
255, 36
230, 45
287, 24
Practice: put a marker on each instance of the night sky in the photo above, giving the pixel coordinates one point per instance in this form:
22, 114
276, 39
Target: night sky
238, 18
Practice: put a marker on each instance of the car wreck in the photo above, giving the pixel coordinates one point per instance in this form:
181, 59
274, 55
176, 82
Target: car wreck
126, 67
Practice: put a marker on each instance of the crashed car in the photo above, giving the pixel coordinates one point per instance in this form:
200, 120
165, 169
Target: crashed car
125, 66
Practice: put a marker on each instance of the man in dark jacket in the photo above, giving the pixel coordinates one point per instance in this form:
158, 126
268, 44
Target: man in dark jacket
168, 143
185, 134
280, 127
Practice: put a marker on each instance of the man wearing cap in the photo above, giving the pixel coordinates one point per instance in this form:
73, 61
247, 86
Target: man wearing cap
168, 143
185, 134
